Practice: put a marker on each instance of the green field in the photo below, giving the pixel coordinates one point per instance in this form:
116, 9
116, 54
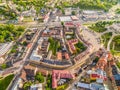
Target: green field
5, 82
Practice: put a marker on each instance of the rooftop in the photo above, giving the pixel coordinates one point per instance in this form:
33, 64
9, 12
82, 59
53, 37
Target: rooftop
36, 87
4, 48
65, 18
57, 74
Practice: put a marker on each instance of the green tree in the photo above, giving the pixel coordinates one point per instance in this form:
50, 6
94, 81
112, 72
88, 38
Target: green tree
39, 77
25, 43
4, 66
27, 85
73, 13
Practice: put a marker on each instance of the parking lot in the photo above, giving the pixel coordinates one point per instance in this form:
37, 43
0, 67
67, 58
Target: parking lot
92, 38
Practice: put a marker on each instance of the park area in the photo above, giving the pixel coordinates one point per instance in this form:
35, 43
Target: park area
101, 26
117, 11
115, 45
4, 82
10, 32
105, 38
54, 45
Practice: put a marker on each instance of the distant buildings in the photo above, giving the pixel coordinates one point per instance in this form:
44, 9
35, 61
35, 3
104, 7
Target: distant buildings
65, 18
92, 15
55, 32
68, 18
30, 12
69, 24
74, 18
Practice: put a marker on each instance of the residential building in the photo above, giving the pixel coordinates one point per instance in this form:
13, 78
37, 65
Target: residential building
71, 44
57, 74
36, 87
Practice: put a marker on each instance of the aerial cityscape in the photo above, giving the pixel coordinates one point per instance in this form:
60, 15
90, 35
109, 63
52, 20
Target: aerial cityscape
59, 44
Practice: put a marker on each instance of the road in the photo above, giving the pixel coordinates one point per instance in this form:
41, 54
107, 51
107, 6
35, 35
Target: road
89, 36
108, 46
25, 58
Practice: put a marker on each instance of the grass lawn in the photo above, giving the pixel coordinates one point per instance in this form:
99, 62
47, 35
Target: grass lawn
105, 38
5, 82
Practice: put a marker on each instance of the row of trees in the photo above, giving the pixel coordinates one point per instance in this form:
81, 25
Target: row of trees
49, 83
10, 33
100, 26
8, 12
54, 45
117, 11
96, 4
38, 4
62, 5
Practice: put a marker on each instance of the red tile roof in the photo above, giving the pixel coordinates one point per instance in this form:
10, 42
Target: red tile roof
57, 74
67, 56
59, 55
69, 24
71, 44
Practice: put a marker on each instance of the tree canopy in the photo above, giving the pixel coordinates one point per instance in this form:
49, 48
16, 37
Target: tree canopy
9, 32
39, 77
